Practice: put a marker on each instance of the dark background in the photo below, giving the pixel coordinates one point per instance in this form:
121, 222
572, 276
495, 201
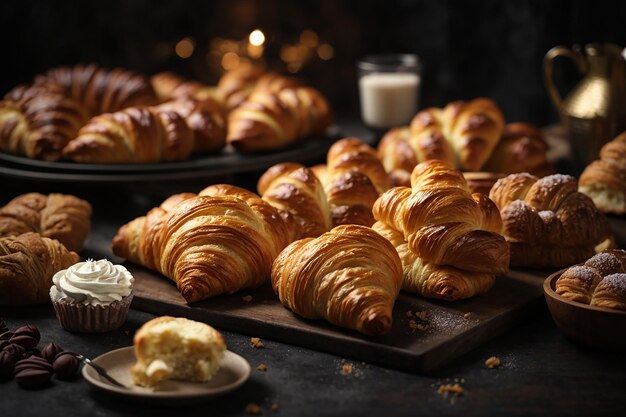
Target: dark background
473, 48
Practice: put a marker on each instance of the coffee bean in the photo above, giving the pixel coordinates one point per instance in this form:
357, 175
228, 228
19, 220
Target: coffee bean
66, 365
32, 378
50, 351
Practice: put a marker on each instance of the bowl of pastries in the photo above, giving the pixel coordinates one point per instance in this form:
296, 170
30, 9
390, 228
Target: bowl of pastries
588, 301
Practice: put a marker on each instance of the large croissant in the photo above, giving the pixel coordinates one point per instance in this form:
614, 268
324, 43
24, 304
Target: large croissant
169, 86
269, 120
434, 281
220, 241
169, 132
443, 222
57, 216
547, 222
604, 180
27, 264
350, 276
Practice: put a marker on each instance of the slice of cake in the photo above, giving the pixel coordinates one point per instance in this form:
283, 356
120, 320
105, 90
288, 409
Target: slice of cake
176, 348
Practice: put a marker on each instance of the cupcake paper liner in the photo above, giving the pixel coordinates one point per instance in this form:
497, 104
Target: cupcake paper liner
78, 317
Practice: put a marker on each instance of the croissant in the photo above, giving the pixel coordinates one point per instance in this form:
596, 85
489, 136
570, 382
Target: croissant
547, 221
349, 276
38, 122
269, 120
56, 216
220, 241
299, 197
168, 132
604, 180
434, 281
600, 281
27, 264
169, 86
443, 223
397, 156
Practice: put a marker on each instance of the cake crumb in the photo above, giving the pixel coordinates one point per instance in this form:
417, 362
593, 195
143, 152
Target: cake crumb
452, 389
262, 367
413, 324
346, 369
422, 315
253, 409
422, 326
492, 362
247, 298
467, 315
256, 343
275, 408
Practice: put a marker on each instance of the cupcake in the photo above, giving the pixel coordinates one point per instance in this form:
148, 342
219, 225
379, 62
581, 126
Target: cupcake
92, 296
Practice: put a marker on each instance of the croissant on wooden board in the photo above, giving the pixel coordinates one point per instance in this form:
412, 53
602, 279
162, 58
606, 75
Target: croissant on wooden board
600, 281
27, 264
220, 241
604, 180
63, 217
443, 223
269, 120
431, 280
546, 221
168, 132
349, 276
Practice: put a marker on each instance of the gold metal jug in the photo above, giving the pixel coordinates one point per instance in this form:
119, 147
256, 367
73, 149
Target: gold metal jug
594, 112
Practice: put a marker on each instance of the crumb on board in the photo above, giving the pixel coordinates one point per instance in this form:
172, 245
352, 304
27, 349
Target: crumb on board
415, 325
450, 389
346, 368
247, 298
275, 408
422, 315
467, 315
492, 362
256, 343
253, 409
262, 367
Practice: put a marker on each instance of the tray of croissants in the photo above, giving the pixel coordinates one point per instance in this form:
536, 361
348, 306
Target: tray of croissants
94, 122
388, 255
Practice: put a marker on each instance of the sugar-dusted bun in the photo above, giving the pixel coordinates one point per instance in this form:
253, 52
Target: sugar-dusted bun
176, 348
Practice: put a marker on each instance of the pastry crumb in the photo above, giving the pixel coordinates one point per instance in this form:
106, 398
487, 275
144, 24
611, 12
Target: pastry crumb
413, 324
256, 343
253, 409
262, 367
492, 362
346, 369
422, 326
275, 408
422, 315
409, 313
467, 315
247, 298
450, 389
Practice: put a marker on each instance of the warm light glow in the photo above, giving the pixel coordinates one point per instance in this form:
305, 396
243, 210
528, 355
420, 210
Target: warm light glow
184, 48
256, 38
309, 38
255, 51
325, 51
293, 67
289, 53
230, 61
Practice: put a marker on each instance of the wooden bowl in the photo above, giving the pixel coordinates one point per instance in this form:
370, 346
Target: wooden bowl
593, 326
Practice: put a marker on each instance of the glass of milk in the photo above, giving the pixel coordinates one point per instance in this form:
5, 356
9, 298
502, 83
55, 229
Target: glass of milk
389, 88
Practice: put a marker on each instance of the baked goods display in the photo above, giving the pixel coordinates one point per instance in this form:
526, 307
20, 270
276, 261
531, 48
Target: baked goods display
349, 276
92, 296
547, 222
63, 217
604, 180
27, 263
442, 223
176, 348
220, 241
599, 282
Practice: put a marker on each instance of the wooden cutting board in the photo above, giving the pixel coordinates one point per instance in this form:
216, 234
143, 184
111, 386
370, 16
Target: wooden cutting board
446, 336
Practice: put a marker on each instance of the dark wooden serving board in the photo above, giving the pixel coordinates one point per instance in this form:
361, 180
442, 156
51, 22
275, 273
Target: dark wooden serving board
448, 334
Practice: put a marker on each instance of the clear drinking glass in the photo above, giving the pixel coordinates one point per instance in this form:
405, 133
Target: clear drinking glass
389, 87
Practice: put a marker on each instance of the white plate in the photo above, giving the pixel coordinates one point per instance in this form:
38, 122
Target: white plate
234, 371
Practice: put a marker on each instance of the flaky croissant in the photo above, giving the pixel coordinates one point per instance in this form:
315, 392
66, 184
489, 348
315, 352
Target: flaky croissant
434, 281
600, 281
350, 276
269, 120
443, 223
220, 241
169, 86
27, 264
547, 222
604, 180
56, 216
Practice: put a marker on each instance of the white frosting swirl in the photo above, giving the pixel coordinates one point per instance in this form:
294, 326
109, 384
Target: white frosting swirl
92, 282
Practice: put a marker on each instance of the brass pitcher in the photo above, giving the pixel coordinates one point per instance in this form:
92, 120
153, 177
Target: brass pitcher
594, 112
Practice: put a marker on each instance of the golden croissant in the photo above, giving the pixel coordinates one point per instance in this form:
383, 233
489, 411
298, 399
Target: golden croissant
349, 276
220, 241
27, 264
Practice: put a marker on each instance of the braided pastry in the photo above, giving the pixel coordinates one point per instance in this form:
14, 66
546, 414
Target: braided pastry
56, 216
27, 264
546, 221
443, 223
604, 180
600, 281
350, 276
220, 241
